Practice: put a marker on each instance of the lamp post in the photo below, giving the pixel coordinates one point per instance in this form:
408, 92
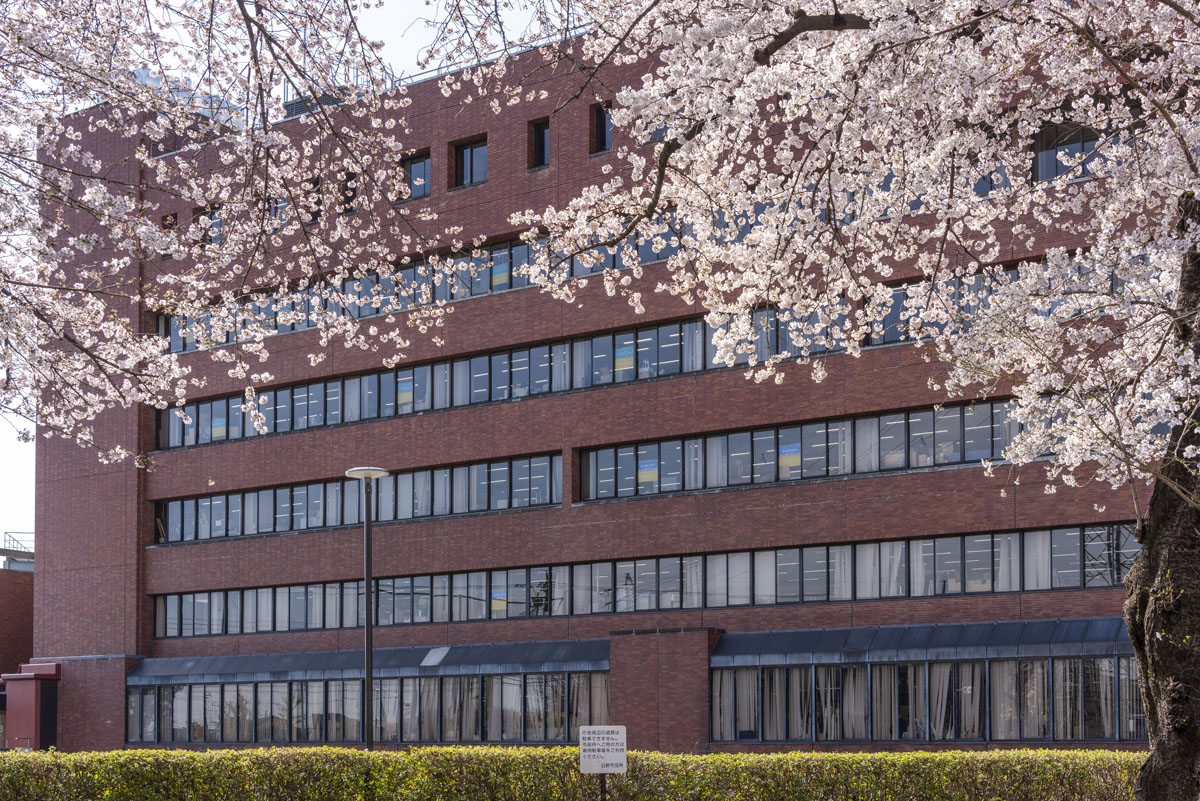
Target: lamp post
367, 475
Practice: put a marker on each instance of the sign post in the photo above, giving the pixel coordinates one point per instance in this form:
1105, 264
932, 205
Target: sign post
602, 750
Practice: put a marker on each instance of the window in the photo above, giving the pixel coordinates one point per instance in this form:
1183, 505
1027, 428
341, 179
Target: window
601, 128
470, 163
211, 224
347, 192
310, 201
539, 144
1056, 144
415, 172
170, 224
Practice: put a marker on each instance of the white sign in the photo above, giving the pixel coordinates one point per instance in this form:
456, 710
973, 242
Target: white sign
602, 749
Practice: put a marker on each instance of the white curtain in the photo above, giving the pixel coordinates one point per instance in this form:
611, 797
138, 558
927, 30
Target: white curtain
829, 703
921, 563
452, 708
1066, 699
1037, 560
941, 701
1006, 724
799, 703
912, 682
970, 700
885, 705
775, 703
1035, 700
895, 569
854, 702
1006, 557
866, 569
722, 705
841, 577
747, 704
1099, 699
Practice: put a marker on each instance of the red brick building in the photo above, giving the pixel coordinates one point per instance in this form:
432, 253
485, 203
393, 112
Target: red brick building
584, 522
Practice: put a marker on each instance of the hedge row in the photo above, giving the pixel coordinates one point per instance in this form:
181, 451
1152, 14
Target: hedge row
551, 774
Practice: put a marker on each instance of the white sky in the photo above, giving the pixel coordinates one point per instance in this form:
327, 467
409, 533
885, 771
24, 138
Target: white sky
400, 25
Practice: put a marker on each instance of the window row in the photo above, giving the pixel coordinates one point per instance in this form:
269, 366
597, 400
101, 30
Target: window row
663, 350
1060, 699
531, 708
484, 486
1069, 557
926, 438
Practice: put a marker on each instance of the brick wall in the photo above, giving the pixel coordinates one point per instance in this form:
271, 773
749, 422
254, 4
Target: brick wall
16, 619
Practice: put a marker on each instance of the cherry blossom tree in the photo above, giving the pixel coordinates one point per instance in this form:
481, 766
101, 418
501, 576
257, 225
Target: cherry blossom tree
1026, 171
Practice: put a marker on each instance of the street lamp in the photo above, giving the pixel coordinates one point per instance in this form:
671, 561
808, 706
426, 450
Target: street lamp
367, 475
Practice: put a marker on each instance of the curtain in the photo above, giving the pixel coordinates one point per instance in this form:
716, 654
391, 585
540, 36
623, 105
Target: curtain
1133, 716
1099, 699
799, 703
885, 707
409, 729
470, 708
535, 708
1037, 560
1035, 700
722, 705
1006, 724
841, 577
452, 708
941, 701
866, 569
747, 703
1066, 699
775, 703
577, 701
1006, 561
921, 563
854, 703
556, 722
895, 569
970, 700
829, 703
912, 701
511, 705
599, 699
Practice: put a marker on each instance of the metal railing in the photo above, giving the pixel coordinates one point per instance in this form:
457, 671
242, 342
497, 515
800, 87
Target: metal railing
18, 541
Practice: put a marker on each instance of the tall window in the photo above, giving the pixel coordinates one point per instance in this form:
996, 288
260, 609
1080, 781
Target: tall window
1056, 144
416, 175
470, 163
539, 140
601, 128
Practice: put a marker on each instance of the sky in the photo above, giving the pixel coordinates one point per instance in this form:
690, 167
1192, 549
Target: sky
401, 25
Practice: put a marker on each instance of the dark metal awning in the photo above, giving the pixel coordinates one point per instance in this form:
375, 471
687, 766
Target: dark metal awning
453, 660
1097, 636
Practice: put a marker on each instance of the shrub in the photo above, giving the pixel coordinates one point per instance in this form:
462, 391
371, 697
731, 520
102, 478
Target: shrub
551, 774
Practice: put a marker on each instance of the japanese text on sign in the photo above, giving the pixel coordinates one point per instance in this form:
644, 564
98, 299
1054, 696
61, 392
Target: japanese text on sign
602, 749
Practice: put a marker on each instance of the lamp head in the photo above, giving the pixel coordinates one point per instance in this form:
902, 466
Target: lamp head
366, 472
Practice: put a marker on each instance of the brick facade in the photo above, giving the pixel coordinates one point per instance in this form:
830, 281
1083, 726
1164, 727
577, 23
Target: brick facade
98, 567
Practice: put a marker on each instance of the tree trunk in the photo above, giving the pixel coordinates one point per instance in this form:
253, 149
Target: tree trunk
1162, 605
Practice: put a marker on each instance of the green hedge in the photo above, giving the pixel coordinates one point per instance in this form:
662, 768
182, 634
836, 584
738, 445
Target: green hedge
551, 774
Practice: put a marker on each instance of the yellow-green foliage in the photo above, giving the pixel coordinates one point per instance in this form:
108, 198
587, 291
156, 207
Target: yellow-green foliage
551, 774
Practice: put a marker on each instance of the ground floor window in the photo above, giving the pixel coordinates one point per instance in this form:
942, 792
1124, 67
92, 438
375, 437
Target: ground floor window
1070, 699
516, 707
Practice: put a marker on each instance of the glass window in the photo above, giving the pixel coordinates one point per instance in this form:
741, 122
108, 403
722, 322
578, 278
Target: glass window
740, 459
739, 579
717, 581
816, 574
947, 436
791, 457
647, 469
891, 442
764, 577
787, 575
671, 466
866, 445
624, 356
841, 575
1064, 557
922, 564
1006, 562
920, 439
828, 716
948, 564
970, 700
941, 701
470, 163
1037, 560
977, 430
717, 462
1133, 715
602, 360
626, 471
977, 562
1099, 698
814, 451
763, 443
866, 571
1068, 707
